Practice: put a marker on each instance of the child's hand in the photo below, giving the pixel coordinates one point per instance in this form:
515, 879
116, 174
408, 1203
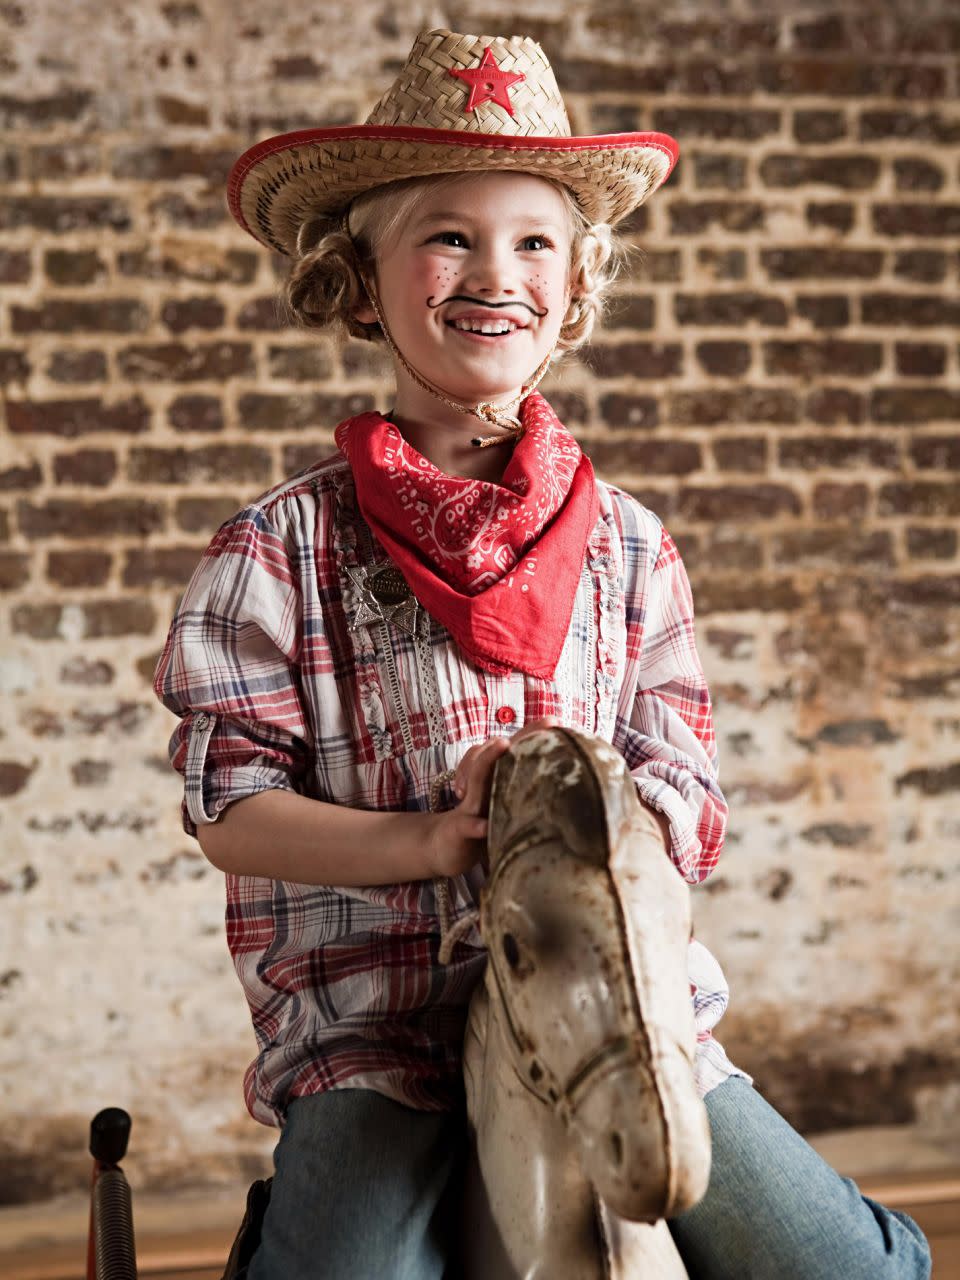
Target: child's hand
459, 837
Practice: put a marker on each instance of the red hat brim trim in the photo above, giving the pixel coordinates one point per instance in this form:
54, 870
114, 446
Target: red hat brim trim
444, 137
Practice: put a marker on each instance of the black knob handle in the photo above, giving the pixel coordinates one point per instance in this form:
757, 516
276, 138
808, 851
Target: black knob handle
109, 1133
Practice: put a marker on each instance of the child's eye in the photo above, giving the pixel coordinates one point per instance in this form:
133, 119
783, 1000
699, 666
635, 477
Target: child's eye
536, 242
446, 237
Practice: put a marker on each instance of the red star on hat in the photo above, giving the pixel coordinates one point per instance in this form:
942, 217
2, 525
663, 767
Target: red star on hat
488, 83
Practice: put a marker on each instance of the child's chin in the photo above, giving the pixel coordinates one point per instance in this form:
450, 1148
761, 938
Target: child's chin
505, 383
475, 395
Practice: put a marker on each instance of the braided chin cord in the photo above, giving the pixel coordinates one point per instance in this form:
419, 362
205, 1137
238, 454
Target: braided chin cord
494, 415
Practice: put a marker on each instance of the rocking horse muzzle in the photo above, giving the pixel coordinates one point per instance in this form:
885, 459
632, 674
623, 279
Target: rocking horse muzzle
586, 924
610, 1106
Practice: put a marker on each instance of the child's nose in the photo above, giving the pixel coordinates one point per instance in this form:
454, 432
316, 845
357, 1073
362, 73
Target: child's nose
491, 273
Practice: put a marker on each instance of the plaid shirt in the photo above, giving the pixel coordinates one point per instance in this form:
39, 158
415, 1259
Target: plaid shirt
288, 671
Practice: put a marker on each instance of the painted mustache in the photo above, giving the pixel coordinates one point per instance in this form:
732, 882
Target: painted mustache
479, 302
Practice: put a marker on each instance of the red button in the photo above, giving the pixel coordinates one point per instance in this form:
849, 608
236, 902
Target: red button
505, 715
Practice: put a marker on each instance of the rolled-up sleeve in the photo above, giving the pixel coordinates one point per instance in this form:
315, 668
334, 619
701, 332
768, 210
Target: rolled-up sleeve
666, 734
230, 670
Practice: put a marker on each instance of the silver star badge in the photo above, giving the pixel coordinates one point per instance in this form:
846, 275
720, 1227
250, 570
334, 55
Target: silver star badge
384, 596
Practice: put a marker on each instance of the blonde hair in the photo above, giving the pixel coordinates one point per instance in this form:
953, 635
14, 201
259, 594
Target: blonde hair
325, 286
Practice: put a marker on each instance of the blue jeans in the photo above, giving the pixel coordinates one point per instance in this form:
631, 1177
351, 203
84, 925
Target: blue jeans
366, 1188
363, 1187
774, 1210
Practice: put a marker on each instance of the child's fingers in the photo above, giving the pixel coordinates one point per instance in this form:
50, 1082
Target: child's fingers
479, 774
471, 827
483, 775
478, 761
465, 769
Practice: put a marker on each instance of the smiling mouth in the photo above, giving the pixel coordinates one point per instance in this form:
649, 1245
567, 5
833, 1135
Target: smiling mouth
485, 328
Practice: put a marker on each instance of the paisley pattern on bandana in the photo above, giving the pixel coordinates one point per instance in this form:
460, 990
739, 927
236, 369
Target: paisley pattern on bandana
497, 564
473, 530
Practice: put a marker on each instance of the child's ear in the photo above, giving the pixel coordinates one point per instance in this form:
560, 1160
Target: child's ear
364, 312
570, 297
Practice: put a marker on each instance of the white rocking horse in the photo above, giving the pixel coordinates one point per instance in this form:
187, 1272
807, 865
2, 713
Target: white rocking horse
586, 1128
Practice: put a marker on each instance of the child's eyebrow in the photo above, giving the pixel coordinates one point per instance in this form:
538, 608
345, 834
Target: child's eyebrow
451, 216
454, 215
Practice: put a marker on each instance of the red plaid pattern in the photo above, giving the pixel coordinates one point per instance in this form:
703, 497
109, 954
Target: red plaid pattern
278, 682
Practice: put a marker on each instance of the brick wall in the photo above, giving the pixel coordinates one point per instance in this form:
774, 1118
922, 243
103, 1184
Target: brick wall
779, 383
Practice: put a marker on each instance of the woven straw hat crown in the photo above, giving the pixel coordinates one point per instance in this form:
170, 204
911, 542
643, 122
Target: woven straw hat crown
429, 95
461, 103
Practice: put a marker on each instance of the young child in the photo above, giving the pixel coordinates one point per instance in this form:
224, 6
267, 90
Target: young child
359, 645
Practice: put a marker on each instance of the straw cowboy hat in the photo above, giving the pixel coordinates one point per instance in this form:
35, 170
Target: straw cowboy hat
460, 104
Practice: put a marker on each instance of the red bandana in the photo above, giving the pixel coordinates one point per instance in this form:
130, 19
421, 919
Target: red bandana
497, 564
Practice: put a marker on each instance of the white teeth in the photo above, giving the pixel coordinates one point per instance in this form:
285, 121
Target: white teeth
485, 326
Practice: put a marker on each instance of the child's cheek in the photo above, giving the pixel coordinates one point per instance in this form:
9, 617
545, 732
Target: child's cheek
440, 282
548, 291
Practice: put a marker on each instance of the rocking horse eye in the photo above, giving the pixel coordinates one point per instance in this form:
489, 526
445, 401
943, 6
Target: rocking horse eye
511, 952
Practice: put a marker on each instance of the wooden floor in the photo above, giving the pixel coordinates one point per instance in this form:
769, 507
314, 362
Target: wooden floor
184, 1237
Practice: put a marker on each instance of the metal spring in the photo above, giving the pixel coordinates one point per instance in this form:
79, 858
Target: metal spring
113, 1227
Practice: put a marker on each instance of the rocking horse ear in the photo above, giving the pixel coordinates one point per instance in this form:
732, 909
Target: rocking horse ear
559, 785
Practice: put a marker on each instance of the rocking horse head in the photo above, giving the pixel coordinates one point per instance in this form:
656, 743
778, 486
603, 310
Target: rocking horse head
590, 1028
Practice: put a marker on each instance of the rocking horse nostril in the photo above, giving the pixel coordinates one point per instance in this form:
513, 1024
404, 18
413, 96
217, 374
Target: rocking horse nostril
511, 952
616, 1148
